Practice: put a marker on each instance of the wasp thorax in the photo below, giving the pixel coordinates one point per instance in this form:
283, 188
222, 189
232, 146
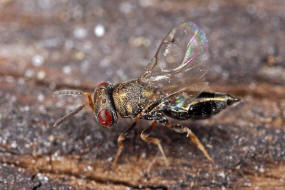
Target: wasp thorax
105, 113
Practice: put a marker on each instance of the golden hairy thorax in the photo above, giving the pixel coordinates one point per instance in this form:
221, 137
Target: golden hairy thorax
131, 97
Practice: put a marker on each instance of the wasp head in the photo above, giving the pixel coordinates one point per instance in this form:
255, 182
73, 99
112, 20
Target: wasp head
104, 109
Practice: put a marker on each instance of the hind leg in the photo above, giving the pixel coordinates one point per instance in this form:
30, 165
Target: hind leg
192, 136
145, 137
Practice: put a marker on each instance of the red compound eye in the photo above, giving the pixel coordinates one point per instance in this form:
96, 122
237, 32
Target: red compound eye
105, 118
102, 83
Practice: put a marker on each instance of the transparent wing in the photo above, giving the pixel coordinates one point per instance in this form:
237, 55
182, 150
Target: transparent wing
180, 61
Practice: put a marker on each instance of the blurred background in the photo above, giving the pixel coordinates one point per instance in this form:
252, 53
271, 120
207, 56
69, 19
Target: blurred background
47, 45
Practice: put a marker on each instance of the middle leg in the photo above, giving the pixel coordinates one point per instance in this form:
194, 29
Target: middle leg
145, 137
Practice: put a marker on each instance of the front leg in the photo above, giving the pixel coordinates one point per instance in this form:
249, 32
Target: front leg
120, 141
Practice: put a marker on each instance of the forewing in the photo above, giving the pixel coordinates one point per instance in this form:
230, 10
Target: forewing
180, 62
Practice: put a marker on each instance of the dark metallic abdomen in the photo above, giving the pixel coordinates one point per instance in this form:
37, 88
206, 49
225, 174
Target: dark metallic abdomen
206, 105
202, 107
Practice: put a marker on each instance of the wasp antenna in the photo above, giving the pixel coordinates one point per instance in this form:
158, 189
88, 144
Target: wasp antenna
68, 92
60, 120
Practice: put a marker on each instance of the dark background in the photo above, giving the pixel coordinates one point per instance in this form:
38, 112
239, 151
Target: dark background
46, 45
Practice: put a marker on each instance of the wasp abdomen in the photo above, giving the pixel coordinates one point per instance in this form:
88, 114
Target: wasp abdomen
208, 104
202, 107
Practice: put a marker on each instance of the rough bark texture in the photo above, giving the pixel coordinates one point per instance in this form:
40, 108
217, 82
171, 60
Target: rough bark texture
49, 45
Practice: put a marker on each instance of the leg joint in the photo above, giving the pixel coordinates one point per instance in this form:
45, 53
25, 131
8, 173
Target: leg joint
121, 138
144, 136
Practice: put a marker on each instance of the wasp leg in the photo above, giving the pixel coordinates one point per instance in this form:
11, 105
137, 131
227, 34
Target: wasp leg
193, 137
90, 103
145, 137
120, 140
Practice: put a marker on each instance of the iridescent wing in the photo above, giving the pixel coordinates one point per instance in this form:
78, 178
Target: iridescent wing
179, 63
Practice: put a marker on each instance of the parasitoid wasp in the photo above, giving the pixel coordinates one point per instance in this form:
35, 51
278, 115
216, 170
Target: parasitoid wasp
171, 87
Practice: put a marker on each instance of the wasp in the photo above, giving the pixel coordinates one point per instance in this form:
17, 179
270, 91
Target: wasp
172, 87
